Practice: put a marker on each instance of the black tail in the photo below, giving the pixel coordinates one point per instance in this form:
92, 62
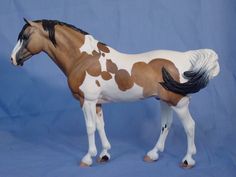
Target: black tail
197, 80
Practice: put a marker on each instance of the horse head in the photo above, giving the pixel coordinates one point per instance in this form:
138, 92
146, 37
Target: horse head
30, 41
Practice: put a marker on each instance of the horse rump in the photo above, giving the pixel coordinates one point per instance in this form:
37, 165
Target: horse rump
204, 67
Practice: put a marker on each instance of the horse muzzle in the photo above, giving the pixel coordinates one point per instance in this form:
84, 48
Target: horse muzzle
13, 61
20, 63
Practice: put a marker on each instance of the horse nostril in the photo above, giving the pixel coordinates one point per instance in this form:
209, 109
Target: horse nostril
11, 59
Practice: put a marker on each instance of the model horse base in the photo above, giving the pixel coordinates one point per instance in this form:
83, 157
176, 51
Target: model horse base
97, 74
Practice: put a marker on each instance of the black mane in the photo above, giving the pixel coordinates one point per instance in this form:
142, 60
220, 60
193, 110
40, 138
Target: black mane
49, 26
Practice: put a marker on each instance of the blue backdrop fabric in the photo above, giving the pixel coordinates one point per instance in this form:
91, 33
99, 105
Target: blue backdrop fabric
42, 129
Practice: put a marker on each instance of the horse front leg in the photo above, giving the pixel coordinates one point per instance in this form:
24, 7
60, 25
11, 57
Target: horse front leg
166, 121
104, 155
182, 110
89, 110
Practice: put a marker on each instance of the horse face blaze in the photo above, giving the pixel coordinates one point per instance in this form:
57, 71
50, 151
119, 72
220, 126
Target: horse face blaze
15, 51
20, 52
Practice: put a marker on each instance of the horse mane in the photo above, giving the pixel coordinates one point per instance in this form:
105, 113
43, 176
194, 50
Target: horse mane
49, 26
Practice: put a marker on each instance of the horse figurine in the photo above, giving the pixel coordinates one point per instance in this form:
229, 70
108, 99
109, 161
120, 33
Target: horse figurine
97, 74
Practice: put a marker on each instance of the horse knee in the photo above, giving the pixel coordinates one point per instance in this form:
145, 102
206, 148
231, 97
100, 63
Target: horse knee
90, 129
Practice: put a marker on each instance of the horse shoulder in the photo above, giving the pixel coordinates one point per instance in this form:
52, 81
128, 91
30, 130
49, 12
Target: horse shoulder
76, 79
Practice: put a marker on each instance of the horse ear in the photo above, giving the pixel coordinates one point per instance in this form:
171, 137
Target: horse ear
27, 22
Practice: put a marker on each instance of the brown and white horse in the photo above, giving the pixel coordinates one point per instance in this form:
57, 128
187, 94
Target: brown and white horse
99, 74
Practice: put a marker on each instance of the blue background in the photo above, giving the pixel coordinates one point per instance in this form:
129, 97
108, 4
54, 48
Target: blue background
42, 129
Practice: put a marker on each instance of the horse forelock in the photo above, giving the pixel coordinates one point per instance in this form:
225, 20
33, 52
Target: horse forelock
20, 36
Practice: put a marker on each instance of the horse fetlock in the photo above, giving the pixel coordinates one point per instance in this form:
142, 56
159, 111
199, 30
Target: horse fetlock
104, 153
107, 145
93, 152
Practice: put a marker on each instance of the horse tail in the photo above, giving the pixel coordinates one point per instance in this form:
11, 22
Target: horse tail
204, 66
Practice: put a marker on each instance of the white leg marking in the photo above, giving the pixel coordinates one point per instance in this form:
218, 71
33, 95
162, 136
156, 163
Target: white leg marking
15, 50
166, 121
101, 130
89, 109
182, 111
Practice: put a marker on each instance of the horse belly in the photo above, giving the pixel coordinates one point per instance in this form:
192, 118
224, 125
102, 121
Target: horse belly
111, 93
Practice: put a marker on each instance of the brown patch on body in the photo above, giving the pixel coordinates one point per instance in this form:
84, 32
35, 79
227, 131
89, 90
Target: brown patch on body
63, 55
103, 47
80, 96
75, 80
149, 75
86, 63
169, 97
106, 75
98, 108
92, 64
98, 84
145, 77
123, 80
111, 67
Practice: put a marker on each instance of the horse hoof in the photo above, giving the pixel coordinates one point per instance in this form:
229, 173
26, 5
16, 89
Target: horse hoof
104, 159
82, 164
148, 159
185, 165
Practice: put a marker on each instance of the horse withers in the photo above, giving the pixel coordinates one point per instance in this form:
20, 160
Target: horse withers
98, 74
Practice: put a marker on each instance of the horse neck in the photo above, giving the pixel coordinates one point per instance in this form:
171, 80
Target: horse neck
66, 51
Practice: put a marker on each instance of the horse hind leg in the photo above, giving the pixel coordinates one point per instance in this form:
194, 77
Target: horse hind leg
182, 110
104, 155
166, 121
